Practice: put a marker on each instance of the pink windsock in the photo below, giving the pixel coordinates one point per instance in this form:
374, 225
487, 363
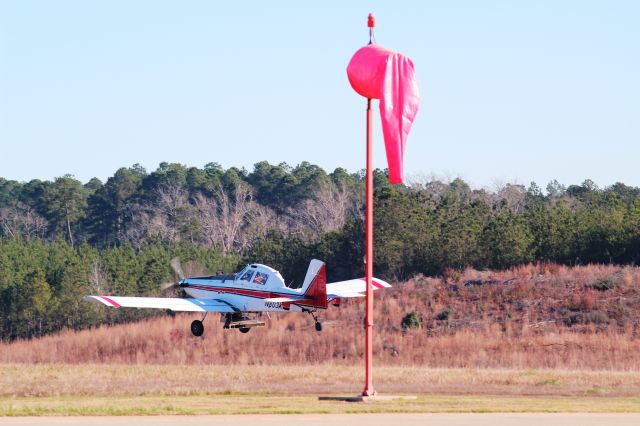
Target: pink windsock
378, 73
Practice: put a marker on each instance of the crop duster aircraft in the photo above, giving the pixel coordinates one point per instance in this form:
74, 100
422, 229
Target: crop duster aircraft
244, 296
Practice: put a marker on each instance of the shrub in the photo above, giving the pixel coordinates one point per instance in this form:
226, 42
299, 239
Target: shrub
451, 275
411, 320
444, 314
604, 284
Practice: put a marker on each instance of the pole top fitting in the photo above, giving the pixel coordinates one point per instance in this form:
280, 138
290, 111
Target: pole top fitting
371, 21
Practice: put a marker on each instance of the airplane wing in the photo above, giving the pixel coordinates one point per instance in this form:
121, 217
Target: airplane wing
353, 288
171, 303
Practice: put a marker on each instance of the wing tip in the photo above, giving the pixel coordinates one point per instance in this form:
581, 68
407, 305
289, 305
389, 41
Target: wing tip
105, 300
383, 283
92, 299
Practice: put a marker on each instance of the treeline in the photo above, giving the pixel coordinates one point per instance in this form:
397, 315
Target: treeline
42, 284
59, 238
210, 207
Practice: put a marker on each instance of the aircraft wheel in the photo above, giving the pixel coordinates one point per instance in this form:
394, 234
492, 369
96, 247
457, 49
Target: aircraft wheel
318, 326
197, 328
244, 329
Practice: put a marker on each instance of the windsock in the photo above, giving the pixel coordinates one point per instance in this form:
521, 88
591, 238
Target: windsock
378, 73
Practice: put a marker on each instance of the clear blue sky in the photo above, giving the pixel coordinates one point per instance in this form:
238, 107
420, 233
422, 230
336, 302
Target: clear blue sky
511, 90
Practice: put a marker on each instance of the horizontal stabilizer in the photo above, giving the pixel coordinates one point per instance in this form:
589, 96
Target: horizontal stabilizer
353, 288
345, 295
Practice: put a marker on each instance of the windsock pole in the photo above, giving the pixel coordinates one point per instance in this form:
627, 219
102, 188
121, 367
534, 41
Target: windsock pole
368, 355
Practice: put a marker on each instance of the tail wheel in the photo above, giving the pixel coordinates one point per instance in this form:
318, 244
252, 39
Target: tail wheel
244, 329
197, 328
315, 318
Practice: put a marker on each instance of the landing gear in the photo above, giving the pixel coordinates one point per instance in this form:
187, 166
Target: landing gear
197, 328
315, 318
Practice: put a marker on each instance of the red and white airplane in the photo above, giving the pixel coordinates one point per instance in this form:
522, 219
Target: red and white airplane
254, 290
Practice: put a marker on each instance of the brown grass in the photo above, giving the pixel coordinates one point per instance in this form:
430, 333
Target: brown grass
50, 380
531, 317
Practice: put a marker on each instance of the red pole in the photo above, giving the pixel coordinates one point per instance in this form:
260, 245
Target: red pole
368, 355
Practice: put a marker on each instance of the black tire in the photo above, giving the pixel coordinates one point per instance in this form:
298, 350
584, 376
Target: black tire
318, 326
244, 329
197, 328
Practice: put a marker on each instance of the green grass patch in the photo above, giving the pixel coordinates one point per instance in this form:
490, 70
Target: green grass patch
308, 404
549, 382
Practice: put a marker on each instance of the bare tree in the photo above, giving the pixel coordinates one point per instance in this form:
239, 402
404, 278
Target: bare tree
137, 227
326, 210
207, 211
172, 213
97, 279
435, 189
262, 220
511, 195
165, 218
425, 180
225, 216
21, 221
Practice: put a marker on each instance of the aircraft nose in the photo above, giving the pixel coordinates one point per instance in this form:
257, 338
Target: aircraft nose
183, 283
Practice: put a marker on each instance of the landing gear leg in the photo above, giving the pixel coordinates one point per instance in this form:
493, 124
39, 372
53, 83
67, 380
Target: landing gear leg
315, 318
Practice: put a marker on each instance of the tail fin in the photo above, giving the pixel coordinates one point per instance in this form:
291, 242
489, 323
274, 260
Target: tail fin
315, 285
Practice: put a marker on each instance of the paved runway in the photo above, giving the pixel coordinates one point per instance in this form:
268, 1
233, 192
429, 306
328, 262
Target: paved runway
517, 419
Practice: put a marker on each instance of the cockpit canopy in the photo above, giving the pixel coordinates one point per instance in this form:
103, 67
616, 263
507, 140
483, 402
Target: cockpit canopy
259, 274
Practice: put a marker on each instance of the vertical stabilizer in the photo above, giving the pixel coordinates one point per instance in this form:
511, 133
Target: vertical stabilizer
315, 284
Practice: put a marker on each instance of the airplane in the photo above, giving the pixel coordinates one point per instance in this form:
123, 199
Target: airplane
256, 289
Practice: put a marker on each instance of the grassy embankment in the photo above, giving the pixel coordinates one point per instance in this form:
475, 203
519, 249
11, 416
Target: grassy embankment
540, 317
534, 338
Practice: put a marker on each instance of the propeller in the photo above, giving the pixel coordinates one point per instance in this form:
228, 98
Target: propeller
179, 273
177, 268
192, 269
169, 286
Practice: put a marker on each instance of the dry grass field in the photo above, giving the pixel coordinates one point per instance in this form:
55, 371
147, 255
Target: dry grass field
530, 317
534, 338
171, 389
46, 380
291, 340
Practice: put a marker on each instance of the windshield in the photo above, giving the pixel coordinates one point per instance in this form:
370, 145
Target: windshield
239, 274
246, 276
